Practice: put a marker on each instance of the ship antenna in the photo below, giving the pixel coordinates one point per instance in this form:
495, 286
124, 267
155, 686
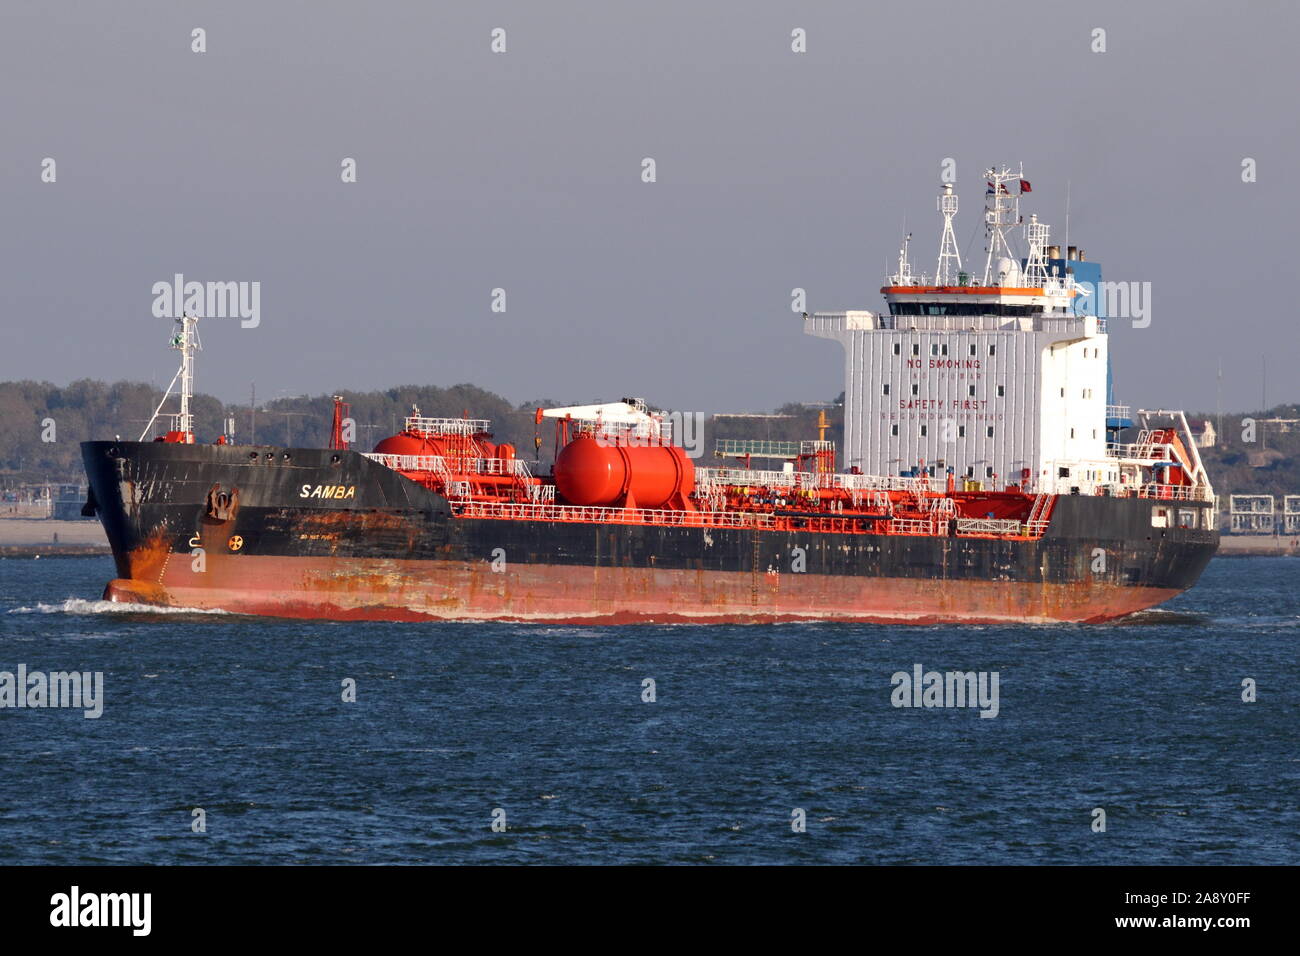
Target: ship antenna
904, 275
1067, 216
948, 244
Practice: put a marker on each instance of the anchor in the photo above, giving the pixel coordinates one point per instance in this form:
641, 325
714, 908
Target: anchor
222, 506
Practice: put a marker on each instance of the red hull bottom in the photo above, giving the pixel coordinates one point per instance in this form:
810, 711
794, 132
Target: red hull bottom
392, 590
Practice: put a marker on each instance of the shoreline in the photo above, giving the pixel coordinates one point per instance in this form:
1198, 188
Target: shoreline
51, 538
31, 552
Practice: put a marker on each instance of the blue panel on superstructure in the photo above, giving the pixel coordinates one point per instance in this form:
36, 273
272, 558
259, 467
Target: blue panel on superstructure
1088, 273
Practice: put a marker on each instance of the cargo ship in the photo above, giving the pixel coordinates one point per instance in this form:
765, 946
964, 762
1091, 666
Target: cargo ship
986, 477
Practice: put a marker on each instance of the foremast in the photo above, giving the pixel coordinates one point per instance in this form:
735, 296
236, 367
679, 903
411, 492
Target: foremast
185, 339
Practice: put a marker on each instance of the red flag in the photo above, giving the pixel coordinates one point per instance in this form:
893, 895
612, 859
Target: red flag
1024, 186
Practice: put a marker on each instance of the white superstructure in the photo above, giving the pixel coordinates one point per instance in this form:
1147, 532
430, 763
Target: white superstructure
997, 380
991, 397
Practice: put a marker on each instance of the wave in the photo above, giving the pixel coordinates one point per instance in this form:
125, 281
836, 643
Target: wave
1164, 616
81, 606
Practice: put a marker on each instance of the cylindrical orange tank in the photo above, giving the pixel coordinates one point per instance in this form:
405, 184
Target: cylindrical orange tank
408, 444
588, 472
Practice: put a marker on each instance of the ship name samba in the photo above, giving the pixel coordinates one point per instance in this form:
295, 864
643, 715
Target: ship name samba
328, 491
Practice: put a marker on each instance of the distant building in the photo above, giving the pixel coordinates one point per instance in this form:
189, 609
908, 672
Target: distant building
1250, 514
1291, 514
67, 501
1205, 436
1281, 425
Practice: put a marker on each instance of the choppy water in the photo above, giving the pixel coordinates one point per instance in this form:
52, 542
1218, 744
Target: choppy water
244, 718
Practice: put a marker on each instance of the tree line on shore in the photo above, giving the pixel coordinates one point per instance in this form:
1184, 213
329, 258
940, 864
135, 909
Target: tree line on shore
41, 426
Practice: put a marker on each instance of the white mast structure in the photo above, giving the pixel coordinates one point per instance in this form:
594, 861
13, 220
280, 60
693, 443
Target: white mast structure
186, 340
904, 274
948, 254
1036, 234
1001, 217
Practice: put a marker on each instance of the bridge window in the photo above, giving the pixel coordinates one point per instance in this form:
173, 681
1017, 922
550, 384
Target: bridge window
1002, 390
898, 348
884, 389
893, 430
970, 389
924, 431
989, 431
993, 350
916, 389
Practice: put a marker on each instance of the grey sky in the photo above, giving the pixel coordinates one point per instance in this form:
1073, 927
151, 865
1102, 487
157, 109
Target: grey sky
522, 171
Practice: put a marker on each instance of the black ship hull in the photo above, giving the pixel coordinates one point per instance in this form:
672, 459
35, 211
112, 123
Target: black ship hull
331, 534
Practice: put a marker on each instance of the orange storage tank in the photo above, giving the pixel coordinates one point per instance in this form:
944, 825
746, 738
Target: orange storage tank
408, 444
590, 472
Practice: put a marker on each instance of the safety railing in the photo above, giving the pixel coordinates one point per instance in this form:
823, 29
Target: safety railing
1176, 492
757, 448
1140, 451
989, 526
911, 526
447, 426
516, 467
597, 515
541, 494
755, 478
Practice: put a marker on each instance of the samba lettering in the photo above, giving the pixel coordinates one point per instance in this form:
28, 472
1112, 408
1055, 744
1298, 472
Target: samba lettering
328, 491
